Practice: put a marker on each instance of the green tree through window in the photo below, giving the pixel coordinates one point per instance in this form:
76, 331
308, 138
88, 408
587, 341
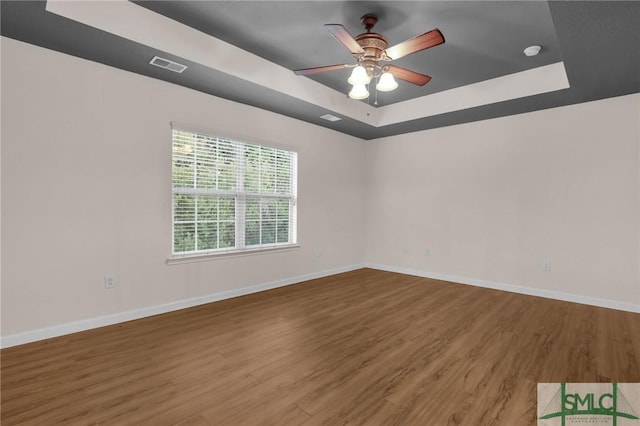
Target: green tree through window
230, 195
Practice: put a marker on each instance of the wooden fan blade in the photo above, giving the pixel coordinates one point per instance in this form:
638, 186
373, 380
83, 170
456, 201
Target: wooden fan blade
408, 75
416, 44
341, 34
316, 70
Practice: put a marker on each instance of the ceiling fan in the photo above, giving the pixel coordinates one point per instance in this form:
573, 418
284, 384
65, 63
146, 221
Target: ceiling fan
370, 49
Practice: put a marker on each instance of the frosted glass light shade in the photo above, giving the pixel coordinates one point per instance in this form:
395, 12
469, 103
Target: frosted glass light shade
359, 75
387, 83
359, 91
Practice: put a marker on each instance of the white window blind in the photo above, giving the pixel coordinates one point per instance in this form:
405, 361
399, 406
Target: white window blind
230, 195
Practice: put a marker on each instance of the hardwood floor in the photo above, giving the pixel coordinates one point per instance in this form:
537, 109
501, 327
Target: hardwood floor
361, 348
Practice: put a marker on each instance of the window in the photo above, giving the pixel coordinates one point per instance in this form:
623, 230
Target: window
231, 196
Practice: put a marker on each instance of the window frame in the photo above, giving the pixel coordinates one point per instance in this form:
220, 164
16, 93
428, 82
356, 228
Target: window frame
240, 194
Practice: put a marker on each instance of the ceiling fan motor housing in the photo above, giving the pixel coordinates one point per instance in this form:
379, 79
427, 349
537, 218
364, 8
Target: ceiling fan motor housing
374, 46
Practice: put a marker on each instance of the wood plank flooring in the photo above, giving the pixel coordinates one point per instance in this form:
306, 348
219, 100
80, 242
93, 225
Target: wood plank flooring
361, 348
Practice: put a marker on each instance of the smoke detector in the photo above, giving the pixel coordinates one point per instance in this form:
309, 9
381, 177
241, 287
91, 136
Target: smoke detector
532, 50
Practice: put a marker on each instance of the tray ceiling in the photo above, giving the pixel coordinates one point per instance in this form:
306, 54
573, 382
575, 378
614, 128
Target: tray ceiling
245, 50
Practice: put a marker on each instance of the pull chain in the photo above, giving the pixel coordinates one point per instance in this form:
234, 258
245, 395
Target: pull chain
375, 102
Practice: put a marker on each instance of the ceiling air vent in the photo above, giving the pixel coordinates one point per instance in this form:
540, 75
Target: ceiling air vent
167, 64
330, 117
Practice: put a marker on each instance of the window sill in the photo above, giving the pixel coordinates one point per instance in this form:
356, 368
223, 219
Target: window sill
189, 258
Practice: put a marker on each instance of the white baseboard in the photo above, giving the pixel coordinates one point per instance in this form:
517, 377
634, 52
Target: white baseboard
105, 320
90, 323
567, 297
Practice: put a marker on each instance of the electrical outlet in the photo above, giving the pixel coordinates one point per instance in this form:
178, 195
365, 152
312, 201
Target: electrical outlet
427, 252
109, 281
546, 265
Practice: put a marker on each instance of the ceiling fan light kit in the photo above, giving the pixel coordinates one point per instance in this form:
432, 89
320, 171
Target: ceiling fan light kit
369, 49
386, 83
359, 91
359, 75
